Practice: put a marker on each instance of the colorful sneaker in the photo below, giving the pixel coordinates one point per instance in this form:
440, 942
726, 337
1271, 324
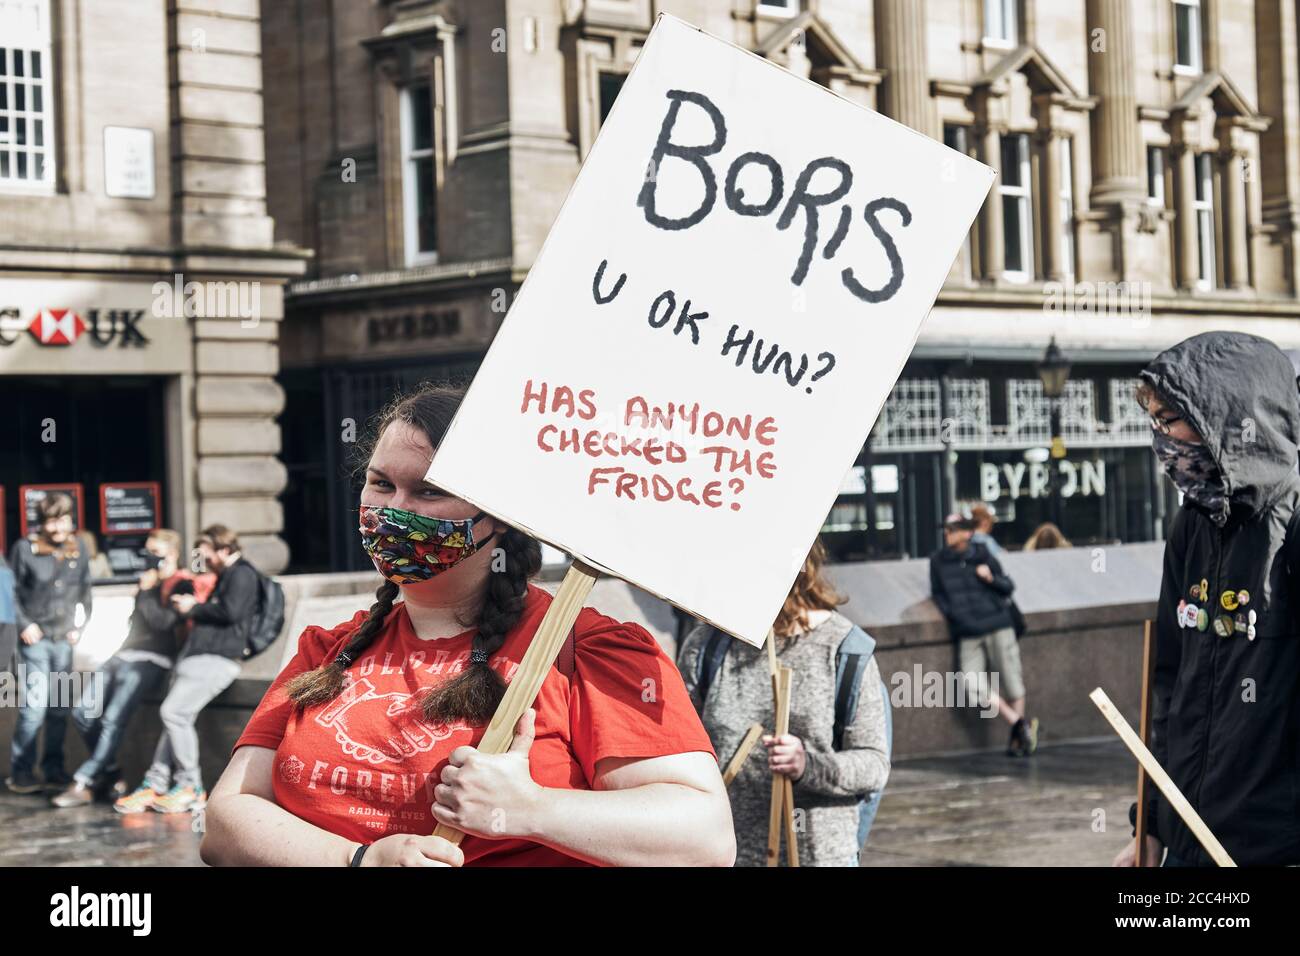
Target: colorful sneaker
138, 801
180, 799
1030, 738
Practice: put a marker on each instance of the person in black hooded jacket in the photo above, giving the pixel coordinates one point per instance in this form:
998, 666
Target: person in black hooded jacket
970, 589
1226, 720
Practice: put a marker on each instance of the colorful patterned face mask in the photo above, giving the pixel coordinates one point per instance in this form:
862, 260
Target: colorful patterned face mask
407, 547
1192, 468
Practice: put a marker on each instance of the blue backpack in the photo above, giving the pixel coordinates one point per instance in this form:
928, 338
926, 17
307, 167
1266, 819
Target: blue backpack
854, 650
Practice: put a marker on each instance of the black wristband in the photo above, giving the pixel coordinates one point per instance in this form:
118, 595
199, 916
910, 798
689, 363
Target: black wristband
361, 851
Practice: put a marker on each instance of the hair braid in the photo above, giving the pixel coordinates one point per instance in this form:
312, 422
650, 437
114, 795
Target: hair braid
473, 694
325, 682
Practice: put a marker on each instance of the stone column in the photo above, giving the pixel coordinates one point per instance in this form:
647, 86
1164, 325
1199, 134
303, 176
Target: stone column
900, 51
1183, 160
237, 399
223, 241
1232, 188
1053, 225
1117, 174
1210, 35
1277, 42
992, 252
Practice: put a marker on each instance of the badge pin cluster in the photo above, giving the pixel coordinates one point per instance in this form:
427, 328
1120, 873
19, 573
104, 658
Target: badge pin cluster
1189, 615
1236, 619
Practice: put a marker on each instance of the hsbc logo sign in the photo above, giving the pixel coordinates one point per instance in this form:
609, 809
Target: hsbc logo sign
56, 327
62, 327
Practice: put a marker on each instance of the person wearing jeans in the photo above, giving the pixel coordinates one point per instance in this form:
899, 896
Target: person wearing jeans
208, 664
45, 664
868, 807
138, 670
199, 679
51, 577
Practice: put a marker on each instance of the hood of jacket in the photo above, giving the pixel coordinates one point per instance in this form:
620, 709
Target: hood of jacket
1239, 392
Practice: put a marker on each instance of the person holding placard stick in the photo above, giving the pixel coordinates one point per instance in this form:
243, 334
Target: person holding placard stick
365, 742
832, 768
1226, 713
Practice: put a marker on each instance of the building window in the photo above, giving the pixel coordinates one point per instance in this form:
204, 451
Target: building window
968, 410
419, 196
1187, 36
780, 8
1129, 422
1029, 412
1156, 176
911, 418
1000, 27
958, 138
1066, 199
610, 84
1017, 228
1203, 208
26, 100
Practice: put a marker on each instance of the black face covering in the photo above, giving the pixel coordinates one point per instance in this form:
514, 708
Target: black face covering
1192, 468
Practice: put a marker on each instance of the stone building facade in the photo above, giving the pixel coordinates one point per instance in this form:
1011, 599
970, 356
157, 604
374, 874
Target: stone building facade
1149, 189
141, 286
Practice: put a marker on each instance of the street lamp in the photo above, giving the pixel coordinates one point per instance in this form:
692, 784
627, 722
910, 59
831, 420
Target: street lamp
1054, 372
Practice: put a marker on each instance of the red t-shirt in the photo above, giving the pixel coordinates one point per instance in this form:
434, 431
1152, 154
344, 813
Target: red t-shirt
365, 764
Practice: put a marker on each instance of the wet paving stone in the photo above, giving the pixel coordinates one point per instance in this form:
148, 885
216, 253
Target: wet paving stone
989, 809
33, 833
982, 809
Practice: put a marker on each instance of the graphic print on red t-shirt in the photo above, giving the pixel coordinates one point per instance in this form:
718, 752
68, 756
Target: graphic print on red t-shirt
365, 764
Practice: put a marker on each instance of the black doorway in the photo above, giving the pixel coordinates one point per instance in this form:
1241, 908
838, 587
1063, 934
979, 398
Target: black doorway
104, 428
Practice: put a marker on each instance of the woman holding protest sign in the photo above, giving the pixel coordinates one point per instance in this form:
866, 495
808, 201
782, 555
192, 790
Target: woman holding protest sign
364, 742
837, 750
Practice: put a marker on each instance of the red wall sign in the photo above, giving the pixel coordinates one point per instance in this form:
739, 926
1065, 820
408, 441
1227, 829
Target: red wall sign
32, 495
129, 507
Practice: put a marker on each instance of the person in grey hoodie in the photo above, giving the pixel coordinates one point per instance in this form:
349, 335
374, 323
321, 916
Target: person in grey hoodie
829, 781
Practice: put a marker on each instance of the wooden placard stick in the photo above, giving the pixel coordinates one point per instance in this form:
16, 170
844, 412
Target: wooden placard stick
1161, 779
742, 753
536, 664
774, 821
778, 793
1144, 732
787, 785
781, 815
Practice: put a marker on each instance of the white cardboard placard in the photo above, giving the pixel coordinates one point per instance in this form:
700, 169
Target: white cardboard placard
775, 317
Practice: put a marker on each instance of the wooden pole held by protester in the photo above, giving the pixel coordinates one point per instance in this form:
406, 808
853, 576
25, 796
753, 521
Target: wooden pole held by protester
778, 794
742, 753
1144, 732
1161, 779
787, 785
781, 813
536, 664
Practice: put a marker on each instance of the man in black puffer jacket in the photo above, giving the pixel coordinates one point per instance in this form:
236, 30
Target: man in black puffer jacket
1226, 720
969, 586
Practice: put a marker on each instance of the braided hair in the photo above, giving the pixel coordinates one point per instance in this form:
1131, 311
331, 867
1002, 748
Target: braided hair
472, 695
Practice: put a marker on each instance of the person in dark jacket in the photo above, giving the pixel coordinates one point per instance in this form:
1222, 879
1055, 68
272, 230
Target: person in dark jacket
971, 590
138, 669
50, 579
206, 666
1226, 716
